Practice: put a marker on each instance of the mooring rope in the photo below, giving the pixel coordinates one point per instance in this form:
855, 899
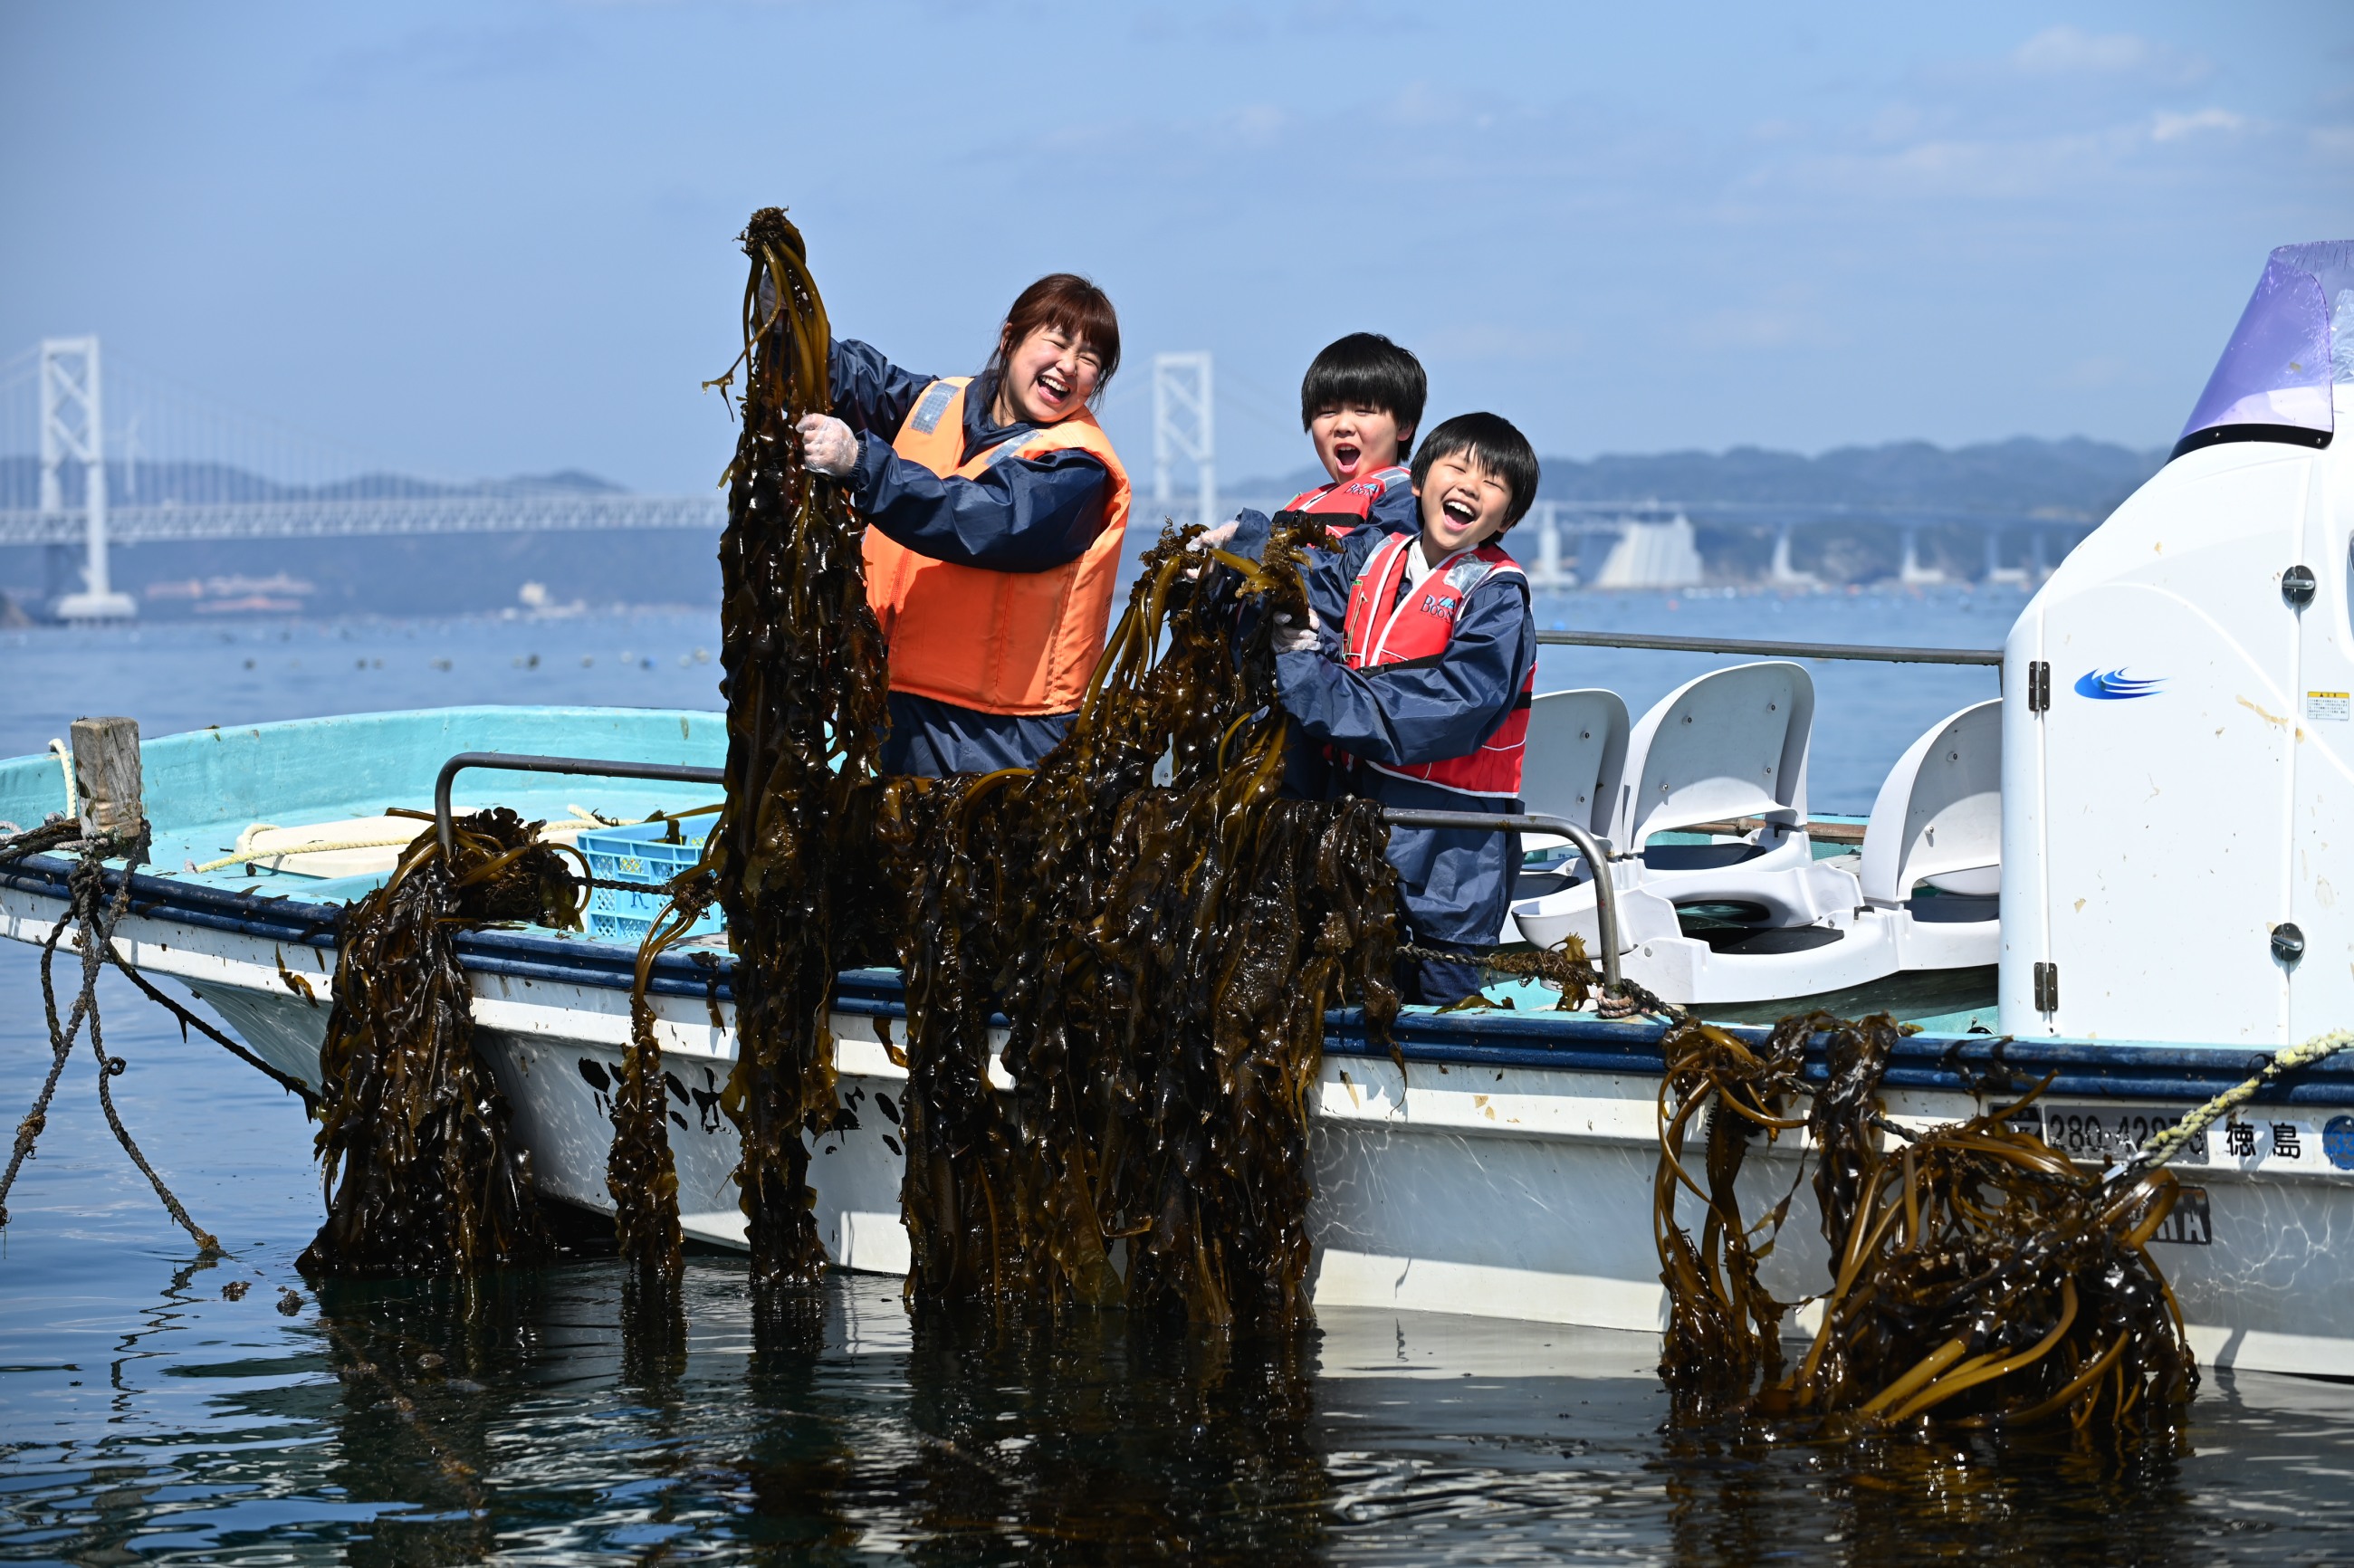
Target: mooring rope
2178, 1137
95, 917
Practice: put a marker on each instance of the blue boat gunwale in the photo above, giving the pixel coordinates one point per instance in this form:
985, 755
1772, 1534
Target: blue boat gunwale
1985, 1065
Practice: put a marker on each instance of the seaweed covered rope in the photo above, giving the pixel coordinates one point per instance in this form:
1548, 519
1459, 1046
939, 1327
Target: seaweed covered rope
1164, 953
806, 678
421, 1173
1978, 1278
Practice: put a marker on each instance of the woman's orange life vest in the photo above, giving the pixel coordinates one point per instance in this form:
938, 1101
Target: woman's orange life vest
1002, 642
1383, 629
1354, 499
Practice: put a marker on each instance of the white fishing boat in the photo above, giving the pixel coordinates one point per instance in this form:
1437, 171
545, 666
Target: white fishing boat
2130, 874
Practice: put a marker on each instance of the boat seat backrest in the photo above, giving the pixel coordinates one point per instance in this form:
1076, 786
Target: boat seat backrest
1576, 754
1940, 811
1730, 744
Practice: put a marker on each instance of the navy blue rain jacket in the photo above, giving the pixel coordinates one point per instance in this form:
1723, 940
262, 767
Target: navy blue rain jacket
1025, 515
1457, 884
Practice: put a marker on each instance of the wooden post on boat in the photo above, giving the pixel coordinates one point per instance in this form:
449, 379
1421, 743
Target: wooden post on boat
107, 776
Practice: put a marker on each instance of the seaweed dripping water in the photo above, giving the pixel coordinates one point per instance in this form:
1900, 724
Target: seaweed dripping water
789, 857
1164, 953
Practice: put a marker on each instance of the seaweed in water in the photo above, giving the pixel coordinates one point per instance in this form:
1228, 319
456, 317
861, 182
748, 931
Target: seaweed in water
1163, 954
1978, 1278
421, 1174
806, 714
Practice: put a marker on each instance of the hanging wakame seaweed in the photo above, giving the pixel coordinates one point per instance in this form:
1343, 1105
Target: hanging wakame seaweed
805, 684
1164, 953
1979, 1277
421, 1173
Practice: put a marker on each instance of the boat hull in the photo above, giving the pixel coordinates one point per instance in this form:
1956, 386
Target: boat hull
1506, 1172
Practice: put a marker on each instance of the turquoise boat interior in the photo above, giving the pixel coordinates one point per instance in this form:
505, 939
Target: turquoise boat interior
207, 789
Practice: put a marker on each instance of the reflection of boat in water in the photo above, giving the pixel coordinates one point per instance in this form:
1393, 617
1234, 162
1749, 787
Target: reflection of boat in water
2127, 865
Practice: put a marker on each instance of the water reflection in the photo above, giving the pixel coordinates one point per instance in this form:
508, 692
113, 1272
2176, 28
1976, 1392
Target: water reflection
1097, 1435
568, 1415
2028, 1497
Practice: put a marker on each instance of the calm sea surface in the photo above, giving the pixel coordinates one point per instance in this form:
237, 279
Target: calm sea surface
145, 1414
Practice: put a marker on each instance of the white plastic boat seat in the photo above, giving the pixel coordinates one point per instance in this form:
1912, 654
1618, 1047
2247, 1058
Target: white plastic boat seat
1938, 820
1730, 744
1576, 756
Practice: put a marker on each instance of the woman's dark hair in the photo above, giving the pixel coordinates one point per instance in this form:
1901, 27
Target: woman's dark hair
1365, 370
1491, 441
1068, 301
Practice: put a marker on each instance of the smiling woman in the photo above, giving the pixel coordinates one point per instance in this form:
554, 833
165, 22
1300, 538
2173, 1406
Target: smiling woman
995, 508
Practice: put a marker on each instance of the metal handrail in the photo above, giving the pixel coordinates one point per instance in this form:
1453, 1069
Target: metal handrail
516, 762
1597, 861
1884, 655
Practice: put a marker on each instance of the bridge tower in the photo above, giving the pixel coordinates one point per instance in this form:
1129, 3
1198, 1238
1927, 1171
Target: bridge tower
1184, 424
73, 428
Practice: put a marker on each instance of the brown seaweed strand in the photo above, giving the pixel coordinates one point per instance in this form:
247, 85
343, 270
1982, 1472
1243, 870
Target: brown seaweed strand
640, 1173
1978, 1277
806, 684
421, 1173
1163, 954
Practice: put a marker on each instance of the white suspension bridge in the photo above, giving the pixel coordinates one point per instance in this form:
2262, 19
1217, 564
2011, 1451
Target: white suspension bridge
96, 456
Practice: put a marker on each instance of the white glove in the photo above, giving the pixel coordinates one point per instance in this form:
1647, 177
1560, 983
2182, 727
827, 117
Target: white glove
1293, 639
1207, 540
827, 446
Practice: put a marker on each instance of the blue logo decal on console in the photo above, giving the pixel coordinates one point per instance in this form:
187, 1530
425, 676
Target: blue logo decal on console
2115, 686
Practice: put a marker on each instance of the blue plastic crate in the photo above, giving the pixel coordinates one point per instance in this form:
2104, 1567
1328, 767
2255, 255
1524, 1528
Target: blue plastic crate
631, 864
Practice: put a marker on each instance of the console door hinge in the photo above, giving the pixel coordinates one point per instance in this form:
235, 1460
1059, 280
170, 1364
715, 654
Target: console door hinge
2039, 686
2047, 988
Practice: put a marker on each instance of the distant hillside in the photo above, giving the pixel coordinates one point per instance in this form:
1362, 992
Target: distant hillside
2073, 478
146, 483
2076, 482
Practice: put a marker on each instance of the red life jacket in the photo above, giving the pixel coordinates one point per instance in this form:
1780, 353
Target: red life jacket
1383, 629
1354, 499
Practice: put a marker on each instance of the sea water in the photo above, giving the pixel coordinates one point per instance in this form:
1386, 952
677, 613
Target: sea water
155, 1407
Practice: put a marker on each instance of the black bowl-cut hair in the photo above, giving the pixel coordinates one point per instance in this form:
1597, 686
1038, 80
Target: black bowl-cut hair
1494, 443
1366, 370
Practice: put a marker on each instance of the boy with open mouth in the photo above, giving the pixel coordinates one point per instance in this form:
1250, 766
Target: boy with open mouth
1413, 680
1360, 404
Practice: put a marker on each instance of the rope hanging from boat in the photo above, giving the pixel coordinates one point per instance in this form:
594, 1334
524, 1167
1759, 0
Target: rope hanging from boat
2178, 1137
93, 917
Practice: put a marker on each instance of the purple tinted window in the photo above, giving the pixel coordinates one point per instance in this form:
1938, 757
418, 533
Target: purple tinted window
2276, 370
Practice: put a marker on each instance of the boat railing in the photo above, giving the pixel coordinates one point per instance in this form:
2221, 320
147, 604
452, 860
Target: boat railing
1596, 857
1597, 861
1775, 650
518, 762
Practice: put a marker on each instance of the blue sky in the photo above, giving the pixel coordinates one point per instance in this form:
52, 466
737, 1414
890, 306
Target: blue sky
491, 239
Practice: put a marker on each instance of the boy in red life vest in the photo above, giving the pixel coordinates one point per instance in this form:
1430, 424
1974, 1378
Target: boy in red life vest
1415, 675
1360, 403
